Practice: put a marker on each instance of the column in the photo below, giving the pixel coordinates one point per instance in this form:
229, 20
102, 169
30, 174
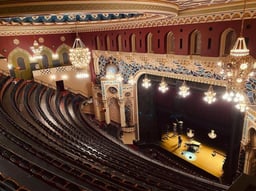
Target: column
107, 116
122, 112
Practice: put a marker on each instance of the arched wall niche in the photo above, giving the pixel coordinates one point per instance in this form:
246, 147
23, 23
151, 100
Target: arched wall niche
170, 43
14, 57
227, 40
46, 61
62, 52
49, 59
195, 42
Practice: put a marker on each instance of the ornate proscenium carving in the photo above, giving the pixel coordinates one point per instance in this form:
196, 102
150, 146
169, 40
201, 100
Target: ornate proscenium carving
197, 69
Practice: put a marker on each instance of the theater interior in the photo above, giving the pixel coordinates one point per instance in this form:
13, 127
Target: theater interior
145, 95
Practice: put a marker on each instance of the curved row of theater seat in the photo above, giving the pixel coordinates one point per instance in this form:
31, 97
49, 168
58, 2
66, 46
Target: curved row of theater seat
44, 133
9, 184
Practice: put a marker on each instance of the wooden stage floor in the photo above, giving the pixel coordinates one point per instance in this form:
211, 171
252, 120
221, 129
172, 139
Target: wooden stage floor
203, 158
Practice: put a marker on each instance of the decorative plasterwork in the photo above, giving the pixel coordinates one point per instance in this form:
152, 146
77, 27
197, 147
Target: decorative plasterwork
190, 68
22, 8
153, 14
197, 69
11, 28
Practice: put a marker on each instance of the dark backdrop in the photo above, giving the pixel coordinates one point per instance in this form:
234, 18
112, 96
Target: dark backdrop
157, 112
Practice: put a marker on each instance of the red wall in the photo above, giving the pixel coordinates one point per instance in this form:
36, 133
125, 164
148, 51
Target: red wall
208, 30
26, 41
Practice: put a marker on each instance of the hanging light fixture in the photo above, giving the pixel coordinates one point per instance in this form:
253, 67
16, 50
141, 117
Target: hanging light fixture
237, 68
190, 133
36, 49
146, 83
242, 106
210, 95
163, 86
119, 77
184, 90
82, 74
131, 80
79, 55
212, 134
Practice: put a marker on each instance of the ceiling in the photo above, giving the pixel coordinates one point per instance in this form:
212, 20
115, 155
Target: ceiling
92, 15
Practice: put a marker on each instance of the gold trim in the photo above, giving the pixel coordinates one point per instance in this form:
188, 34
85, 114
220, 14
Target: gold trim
154, 16
55, 7
208, 63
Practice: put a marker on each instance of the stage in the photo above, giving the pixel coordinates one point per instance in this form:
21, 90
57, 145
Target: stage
200, 155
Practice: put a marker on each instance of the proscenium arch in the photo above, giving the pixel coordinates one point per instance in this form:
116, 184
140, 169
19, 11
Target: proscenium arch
180, 77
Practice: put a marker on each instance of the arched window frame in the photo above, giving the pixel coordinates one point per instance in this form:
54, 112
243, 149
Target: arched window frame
108, 42
170, 43
227, 41
119, 40
133, 43
195, 42
149, 43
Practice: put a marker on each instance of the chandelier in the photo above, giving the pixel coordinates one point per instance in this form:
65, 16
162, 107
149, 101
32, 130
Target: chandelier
79, 55
146, 83
190, 133
184, 90
212, 134
237, 68
163, 87
131, 80
36, 49
210, 96
119, 77
80, 74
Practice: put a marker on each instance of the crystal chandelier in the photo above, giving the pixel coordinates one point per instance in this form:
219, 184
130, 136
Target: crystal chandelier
131, 80
79, 55
82, 74
233, 96
146, 83
184, 90
119, 77
210, 96
237, 68
36, 49
242, 106
163, 87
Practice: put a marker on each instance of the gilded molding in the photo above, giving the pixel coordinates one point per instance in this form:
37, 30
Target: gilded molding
53, 7
165, 60
154, 14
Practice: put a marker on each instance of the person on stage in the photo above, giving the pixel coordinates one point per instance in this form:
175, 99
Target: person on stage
179, 141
